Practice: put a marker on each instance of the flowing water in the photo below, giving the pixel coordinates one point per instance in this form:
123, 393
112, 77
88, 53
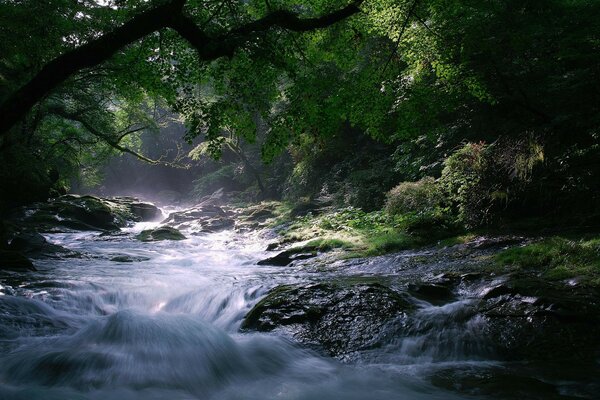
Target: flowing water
168, 328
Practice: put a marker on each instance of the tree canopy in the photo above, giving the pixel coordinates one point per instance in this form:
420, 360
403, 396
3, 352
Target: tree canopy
86, 77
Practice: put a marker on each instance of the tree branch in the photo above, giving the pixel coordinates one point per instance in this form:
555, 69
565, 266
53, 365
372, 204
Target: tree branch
168, 15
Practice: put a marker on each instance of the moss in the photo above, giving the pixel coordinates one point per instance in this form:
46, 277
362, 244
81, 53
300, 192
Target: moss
362, 233
389, 242
328, 244
557, 258
160, 233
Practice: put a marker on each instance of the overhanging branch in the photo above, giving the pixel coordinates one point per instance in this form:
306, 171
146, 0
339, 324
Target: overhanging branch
168, 15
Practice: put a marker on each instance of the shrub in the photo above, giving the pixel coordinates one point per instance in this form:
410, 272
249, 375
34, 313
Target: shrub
464, 183
414, 197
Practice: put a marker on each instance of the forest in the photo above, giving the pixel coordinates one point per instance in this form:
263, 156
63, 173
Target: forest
299, 199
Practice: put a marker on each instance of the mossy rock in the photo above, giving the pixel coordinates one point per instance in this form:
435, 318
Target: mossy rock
160, 233
337, 317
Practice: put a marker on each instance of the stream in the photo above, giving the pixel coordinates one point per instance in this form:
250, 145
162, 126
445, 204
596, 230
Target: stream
168, 327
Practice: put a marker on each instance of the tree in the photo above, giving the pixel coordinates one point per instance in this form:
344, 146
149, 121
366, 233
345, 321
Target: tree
171, 15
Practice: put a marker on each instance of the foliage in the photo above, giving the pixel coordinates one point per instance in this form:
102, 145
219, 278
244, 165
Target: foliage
500, 90
371, 233
558, 258
421, 196
463, 182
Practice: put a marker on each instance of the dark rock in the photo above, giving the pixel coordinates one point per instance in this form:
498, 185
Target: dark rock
286, 257
497, 291
339, 318
73, 212
531, 319
273, 246
13, 260
35, 245
125, 258
432, 293
260, 214
160, 233
145, 211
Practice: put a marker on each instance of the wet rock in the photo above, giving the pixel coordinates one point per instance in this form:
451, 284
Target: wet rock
260, 214
433, 293
35, 245
339, 318
13, 260
160, 233
73, 212
273, 246
286, 258
532, 319
125, 258
140, 212
203, 218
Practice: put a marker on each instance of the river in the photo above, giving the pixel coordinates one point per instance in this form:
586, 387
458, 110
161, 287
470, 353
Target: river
167, 327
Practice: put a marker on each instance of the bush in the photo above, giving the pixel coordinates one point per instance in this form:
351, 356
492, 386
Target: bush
484, 182
464, 183
423, 196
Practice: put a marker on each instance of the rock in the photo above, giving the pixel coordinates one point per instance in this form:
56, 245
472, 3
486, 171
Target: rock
340, 318
286, 257
533, 319
160, 233
141, 212
273, 246
202, 218
125, 258
260, 214
433, 293
75, 212
35, 245
13, 260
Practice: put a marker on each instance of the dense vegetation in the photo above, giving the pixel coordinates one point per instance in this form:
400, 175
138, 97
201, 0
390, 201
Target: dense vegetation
458, 113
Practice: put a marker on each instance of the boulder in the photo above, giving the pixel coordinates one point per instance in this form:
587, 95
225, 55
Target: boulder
74, 212
35, 245
160, 233
433, 293
126, 258
286, 257
533, 319
202, 218
13, 260
339, 318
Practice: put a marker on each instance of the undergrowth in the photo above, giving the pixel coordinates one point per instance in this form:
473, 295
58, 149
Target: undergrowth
557, 258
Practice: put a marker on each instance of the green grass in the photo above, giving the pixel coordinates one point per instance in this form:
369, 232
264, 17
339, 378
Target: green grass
364, 233
383, 243
557, 258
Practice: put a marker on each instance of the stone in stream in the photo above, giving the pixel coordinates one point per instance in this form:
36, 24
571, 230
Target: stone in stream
202, 218
73, 212
126, 258
286, 257
534, 319
160, 233
339, 318
34, 245
433, 293
13, 260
